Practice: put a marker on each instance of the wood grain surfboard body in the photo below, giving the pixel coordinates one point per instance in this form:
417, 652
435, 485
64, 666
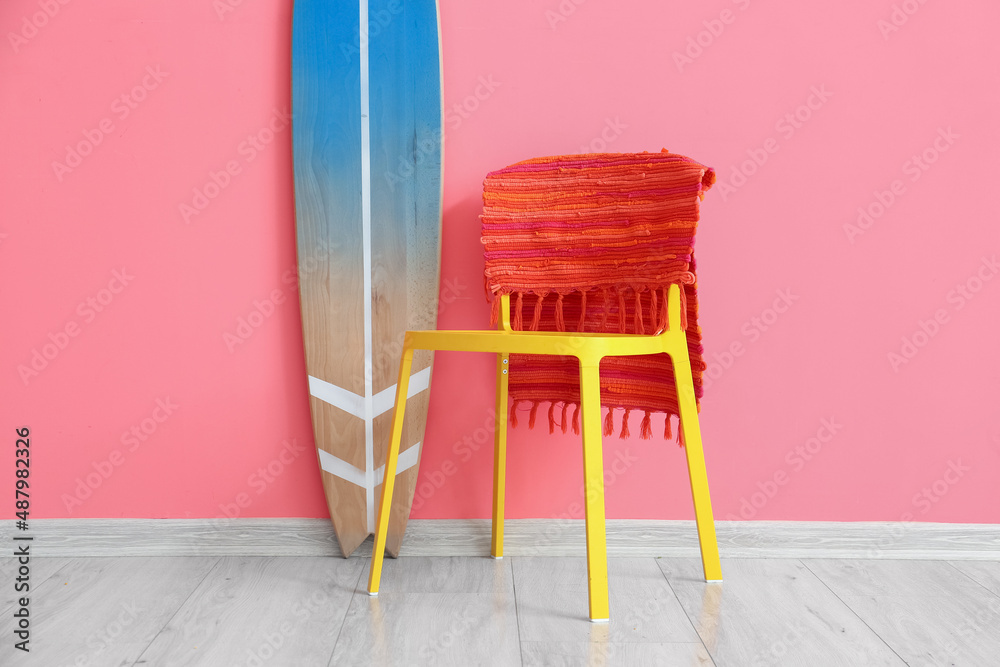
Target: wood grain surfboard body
366, 137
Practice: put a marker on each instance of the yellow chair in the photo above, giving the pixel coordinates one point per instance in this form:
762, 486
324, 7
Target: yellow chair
589, 348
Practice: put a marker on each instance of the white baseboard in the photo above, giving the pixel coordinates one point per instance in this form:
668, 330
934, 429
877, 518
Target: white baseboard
524, 537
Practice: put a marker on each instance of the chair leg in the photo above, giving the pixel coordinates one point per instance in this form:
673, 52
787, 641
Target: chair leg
691, 432
499, 456
593, 474
389, 481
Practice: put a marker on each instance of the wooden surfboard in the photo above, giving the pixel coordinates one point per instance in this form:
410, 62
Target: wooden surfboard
366, 138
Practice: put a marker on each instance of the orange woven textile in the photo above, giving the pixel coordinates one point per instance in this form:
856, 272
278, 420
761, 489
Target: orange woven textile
592, 243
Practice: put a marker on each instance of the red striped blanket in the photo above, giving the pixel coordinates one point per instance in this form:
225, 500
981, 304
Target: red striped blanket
592, 243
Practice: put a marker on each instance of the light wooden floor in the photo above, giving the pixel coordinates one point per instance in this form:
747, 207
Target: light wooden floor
255, 611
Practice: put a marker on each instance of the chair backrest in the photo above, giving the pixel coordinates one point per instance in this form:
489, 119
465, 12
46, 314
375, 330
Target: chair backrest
592, 243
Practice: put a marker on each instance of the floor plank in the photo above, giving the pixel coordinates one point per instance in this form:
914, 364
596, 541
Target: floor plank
605, 654
434, 611
250, 610
40, 570
552, 602
773, 612
886, 577
105, 611
929, 612
985, 573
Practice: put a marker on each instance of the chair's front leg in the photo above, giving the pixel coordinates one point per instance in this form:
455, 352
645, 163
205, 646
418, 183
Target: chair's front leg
391, 459
593, 474
499, 455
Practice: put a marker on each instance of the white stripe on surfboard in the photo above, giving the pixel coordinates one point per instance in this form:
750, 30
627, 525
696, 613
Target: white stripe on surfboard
354, 404
366, 245
407, 459
338, 397
346, 471
341, 468
385, 399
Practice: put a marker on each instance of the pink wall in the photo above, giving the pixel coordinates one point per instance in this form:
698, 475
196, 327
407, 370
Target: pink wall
841, 99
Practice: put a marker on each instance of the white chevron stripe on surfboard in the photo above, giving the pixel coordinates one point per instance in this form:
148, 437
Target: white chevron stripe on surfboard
354, 404
345, 471
386, 399
367, 408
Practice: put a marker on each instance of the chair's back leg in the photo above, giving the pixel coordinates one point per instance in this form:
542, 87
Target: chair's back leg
691, 433
593, 475
500, 435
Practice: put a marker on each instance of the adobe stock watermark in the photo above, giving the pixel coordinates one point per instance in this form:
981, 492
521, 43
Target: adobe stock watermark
973, 630
101, 640
132, 439
617, 470
247, 325
223, 7
752, 329
609, 133
377, 22
463, 450
704, 39
270, 646
263, 309
483, 436
318, 257
424, 149
460, 111
272, 642
604, 653
389, 354
460, 625
914, 167
796, 458
774, 653
923, 500
59, 340
261, 479
429, 145
898, 17
932, 494
122, 107
958, 297
32, 24
218, 180
786, 126
451, 291
562, 12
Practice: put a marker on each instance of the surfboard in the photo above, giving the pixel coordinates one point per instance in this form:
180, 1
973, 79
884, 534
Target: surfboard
366, 143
